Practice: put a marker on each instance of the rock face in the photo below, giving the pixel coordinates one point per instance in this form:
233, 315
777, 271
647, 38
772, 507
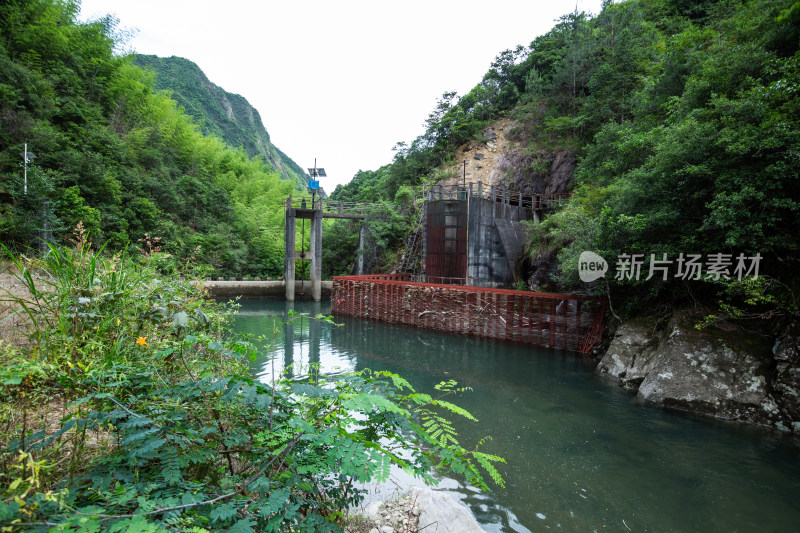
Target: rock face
630, 355
502, 158
787, 374
730, 375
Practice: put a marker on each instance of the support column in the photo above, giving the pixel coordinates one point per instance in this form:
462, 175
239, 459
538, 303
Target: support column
316, 256
289, 259
361, 250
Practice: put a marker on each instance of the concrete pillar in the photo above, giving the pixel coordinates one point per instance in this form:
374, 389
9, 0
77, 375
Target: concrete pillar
316, 256
289, 259
423, 270
361, 250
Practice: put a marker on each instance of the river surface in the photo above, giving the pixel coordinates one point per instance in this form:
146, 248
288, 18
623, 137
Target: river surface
582, 454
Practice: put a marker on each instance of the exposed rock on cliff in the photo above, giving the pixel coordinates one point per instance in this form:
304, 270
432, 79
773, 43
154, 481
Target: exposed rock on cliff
730, 375
787, 374
502, 158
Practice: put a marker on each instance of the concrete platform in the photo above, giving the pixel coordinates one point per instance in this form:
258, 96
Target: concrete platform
263, 289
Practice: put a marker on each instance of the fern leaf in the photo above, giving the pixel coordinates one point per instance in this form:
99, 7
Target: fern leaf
485, 460
453, 408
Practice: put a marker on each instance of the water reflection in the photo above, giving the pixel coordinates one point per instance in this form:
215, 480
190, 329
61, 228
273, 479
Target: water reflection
289, 346
582, 455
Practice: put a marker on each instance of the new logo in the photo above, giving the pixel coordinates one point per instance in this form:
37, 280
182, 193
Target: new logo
591, 267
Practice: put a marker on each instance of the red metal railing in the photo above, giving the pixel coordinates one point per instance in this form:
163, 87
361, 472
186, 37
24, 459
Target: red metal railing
560, 321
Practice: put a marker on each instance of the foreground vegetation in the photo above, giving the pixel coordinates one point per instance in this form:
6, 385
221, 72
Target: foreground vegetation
131, 409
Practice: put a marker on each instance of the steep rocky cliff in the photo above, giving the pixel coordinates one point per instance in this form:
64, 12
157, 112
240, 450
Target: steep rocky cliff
218, 112
502, 157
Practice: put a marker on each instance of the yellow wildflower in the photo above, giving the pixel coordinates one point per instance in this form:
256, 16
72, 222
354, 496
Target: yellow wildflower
142, 341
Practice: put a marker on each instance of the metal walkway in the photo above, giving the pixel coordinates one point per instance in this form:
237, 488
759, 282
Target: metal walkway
335, 209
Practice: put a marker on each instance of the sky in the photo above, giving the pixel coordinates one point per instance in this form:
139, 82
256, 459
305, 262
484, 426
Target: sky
340, 82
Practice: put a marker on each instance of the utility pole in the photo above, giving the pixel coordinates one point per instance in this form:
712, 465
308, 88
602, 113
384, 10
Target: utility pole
27, 157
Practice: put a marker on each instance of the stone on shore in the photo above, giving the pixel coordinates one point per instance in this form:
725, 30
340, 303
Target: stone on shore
726, 374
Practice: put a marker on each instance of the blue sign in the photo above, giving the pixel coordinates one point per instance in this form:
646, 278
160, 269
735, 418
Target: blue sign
313, 184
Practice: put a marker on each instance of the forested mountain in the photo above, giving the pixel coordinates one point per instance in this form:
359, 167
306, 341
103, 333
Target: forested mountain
117, 155
218, 112
684, 118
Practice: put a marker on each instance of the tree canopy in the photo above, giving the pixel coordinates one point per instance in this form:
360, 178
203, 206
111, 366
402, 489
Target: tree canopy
118, 155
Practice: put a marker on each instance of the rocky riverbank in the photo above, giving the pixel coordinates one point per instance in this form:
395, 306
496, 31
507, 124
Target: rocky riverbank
418, 509
727, 374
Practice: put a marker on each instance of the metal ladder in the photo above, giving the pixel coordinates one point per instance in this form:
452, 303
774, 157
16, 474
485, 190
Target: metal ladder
413, 247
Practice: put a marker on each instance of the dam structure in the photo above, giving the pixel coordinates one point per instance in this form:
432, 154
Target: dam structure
458, 269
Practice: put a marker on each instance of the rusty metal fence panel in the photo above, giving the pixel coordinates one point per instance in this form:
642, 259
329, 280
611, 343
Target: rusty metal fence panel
559, 321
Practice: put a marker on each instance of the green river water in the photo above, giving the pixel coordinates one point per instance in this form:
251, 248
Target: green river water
582, 454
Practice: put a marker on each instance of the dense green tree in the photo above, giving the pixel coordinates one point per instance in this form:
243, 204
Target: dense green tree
117, 155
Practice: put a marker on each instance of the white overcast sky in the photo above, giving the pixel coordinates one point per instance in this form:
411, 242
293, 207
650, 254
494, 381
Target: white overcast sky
342, 81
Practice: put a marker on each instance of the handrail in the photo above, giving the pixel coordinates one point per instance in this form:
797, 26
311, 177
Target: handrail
405, 277
496, 193
335, 206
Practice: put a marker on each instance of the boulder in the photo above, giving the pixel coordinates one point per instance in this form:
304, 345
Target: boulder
630, 354
714, 373
726, 374
442, 514
787, 375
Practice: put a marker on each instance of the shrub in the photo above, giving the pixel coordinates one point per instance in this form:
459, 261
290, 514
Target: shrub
156, 425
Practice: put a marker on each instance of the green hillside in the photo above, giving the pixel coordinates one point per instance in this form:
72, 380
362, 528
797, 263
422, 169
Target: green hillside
118, 156
218, 112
